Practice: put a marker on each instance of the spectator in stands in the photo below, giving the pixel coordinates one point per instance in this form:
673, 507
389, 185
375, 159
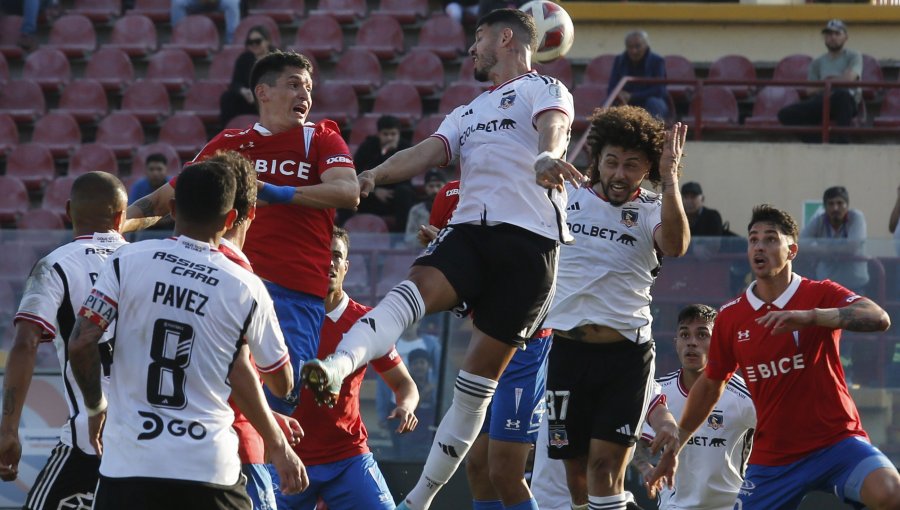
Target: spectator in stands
155, 168
29, 9
703, 220
840, 64
844, 230
892, 223
639, 61
392, 200
238, 98
231, 9
421, 212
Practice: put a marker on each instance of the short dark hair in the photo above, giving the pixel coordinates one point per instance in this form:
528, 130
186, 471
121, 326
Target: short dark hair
781, 219
697, 311
339, 233
245, 182
99, 190
205, 192
631, 128
388, 122
263, 31
269, 68
836, 192
520, 23
156, 157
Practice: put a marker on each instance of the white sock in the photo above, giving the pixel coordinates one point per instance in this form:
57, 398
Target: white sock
455, 435
374, 334
616, 502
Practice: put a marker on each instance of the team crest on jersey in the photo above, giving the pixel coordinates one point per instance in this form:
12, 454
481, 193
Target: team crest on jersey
629, 217
558, 437
716, 420
507, 101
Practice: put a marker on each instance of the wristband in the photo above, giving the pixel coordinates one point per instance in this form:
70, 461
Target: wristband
101, 406
276, 194
545, 154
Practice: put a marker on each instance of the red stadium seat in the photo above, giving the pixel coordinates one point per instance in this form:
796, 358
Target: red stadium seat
282, 11
202, 100
10, 28
58, 132
444, 36
22, 100
400, 100
890, 110
427, 127
404, 11
101, 11
31, 163
74, 35
85, 100
598, 71
134, 34
467, 74
9, 134
360, 68
222, 67
243, 28
561, 69
196, 35
157, 10
121, 132
174, 162
382, 35
172, 68
15, 198
146, 100
345, 11
93, 157
394, 270
458, 94
112, 68
47, 67
679, 68
41, 219
792, 67
768, 101
364, 228
586, 98
362, 127
242, 121
871, 72
336, 101
719, 107
734, 67
4, 70
56, 195
186, 133
423, 70
358, 281
320, 35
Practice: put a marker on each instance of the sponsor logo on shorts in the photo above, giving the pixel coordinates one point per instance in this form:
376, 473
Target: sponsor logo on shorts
747, 487
559, 437
513, 424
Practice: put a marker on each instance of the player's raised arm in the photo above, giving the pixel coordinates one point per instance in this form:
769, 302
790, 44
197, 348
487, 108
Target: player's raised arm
405, 164
339, 189
674, 234
146, 211
862, 316
551, 171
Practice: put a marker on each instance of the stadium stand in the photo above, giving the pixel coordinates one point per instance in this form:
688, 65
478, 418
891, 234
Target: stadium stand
74, 35
93, 157
40, 219
598, 70
147, 100
734, 67
443, 36
871, 72
112, 68
85, 100
4, 69
31, 163
172, 158
344, 11
423, 70
679, 68
185, 132
768, 101
586, 98
10, 25
173, 68
9, 133
715, 106
359, 68
98, 11
400, 100
120, 131
195, 35
56, 195
282, 11
561, 69
793, 67
134, 34
382, 35
22, 100
49, 68
242, 122
157, 10
336, 101
202, 100
240, 33
404, 11
890, 111
15, 198
58, 132
457, 94
319, 35
222, 66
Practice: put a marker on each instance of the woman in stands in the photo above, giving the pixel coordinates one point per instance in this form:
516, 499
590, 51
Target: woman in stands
238, 99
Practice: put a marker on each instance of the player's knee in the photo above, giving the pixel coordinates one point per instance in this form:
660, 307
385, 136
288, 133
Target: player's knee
885, 493
476, 468
502, 477
605, 472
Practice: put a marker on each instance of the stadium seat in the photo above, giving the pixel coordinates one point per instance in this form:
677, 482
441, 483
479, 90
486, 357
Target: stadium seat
31, 163
134, 34
320, 35
768, 101
426, 126
146, 100
598, 71
890, 110
719, 107
467, 74
157, 10
586, 98
871, 72
202, 100
174, 162
792, 67
185, 132
362, 127
243, 28
393, 271
400, 100
93, 157
358, 281
15, 198
9, 134
58, 132
4, 70
74, 35
112, 68
423, 70
242, 121
734, 67
458, 94
22, 100
56, 195
85, 100
360, 68
100, 11
222, 67
196, 35
404, 11
336, 101
344, 11
382, 35
679, 68
40, 219
282, 11
121, 132
10, 28
561, 69
173, 68
363, 227
443, 36
49, 68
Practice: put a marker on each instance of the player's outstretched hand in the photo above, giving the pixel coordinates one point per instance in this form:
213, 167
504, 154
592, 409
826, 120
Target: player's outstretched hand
290, 469
426, 234
10, 454
290, 427
366, 183
664, 472
666, 439
408, 420
787, 321
95, 431
552, 173
673, 149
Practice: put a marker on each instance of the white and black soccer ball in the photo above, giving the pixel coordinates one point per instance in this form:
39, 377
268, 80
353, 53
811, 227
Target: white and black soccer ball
555, 30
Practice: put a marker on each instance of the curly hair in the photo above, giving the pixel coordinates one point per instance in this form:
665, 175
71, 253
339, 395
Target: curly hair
631, 128
245, 180
697, 311
783, 221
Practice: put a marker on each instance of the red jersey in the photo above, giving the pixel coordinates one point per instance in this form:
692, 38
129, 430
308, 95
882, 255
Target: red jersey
337, 433
444, 205
795, 379
288, 244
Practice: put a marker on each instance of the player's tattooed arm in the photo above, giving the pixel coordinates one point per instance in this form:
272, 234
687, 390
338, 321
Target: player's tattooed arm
85, 360
863, 316
147, 211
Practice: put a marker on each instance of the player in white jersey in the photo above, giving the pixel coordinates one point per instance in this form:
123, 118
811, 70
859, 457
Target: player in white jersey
499, 254
713, 461
601, 365
57, 285
185, 315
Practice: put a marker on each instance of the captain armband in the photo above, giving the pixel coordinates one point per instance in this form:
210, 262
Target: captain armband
99, 309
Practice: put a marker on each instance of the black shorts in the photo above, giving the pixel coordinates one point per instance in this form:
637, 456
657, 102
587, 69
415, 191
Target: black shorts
161, 493
503, 272
596, 391
67, 480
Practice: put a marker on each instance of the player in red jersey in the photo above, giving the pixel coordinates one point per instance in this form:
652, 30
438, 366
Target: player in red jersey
342, 471
308, 173
783, 332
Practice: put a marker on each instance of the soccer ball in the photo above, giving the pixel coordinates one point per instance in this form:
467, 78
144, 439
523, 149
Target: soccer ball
554, 29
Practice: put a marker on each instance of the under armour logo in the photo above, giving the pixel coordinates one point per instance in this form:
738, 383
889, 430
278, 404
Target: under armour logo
744, 335
248, 145
370, 321
513, 424
448, 450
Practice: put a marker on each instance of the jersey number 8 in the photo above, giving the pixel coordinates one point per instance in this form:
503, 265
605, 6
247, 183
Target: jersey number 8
170, 350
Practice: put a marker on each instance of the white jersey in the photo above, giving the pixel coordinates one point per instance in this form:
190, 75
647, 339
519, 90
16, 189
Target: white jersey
58, 284
711, 465
605, 277
184, 311
496, 140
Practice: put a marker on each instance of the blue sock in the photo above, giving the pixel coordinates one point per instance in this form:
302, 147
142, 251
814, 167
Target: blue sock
531, 504
487, 505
